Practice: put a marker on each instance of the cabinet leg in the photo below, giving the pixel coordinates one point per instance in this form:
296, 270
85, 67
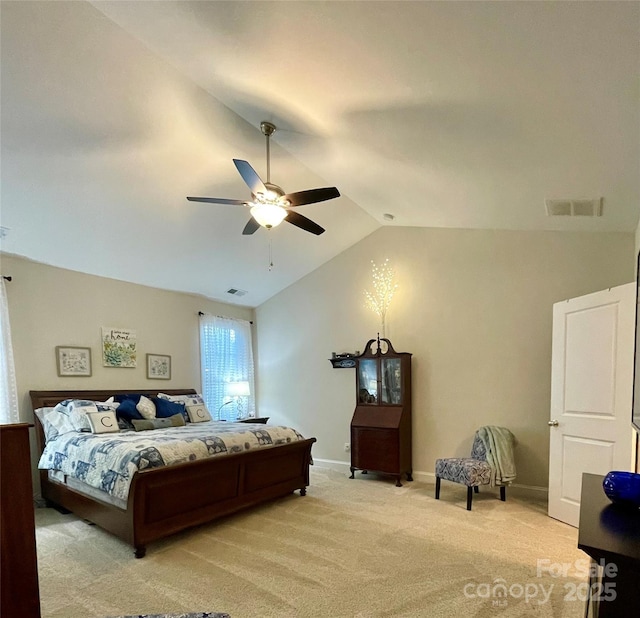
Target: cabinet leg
365, 472
303, 491
398, 483
409, 476
352, 471
140, 551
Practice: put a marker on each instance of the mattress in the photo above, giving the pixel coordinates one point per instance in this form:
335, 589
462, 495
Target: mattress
107, 462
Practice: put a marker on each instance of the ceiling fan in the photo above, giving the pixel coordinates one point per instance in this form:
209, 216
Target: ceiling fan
269, 204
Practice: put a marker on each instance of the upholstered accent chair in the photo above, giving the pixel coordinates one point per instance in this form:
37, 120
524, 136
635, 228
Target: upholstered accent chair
470, 471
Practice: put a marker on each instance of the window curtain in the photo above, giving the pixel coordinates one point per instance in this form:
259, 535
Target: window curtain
226, 356
9, 412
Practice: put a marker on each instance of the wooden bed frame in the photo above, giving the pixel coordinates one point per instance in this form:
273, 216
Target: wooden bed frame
163, 501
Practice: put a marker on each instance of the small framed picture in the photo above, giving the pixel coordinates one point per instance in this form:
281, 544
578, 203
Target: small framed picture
73, 361
158, 367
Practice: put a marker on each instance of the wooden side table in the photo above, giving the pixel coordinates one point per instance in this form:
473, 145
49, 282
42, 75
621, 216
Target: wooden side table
262, 420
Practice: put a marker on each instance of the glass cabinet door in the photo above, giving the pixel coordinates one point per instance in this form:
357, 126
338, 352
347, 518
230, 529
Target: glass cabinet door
368, 381
391, 381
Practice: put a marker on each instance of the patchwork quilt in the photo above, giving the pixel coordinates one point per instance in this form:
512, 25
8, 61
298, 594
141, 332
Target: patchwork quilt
109, 461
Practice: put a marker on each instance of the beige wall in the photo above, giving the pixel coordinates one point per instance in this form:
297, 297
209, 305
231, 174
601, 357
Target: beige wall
474, 308
51, 306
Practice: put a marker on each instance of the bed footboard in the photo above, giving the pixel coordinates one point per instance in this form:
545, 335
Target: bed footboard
167, 500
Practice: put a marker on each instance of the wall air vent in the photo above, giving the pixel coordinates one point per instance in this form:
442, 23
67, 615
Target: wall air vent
236, 292
574, 208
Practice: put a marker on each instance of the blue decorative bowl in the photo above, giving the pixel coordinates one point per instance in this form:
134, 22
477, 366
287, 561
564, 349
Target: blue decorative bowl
622, 487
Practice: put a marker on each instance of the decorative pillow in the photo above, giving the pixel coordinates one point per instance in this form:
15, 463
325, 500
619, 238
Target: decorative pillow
103, 422
77, 410
188, 400
54, 422
71, 415
177, 420
166, 408
198, 413
120, 397
110, 404
146, 407
127, 411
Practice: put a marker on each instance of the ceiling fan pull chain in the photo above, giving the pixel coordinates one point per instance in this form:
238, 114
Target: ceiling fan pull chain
270, 255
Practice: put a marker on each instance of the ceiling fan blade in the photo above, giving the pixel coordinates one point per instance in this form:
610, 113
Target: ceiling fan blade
311, 196
217, 200
303, 223
250, 176
251, 227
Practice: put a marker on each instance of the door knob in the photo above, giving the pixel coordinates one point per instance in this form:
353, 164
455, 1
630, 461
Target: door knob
553, 423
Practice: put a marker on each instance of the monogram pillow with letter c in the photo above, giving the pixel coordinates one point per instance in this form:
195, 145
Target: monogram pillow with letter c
103, 422
198, 413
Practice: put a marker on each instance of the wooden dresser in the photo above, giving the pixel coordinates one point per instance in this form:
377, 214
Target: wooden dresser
610, 534
19, 596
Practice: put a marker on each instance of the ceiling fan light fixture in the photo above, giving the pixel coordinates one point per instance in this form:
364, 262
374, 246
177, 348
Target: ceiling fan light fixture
268, 215
270, 205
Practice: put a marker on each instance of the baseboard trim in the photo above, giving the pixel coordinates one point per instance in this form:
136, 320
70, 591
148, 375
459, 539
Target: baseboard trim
425, 477
332, 464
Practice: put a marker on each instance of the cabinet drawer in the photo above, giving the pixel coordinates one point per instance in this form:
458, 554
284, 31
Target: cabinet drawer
375, 449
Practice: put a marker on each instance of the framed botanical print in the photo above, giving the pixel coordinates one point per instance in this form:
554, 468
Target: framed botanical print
119, 347
73, 361
158, 367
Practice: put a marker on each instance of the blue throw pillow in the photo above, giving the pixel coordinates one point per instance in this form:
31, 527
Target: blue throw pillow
127, 410
120, 397
166, 408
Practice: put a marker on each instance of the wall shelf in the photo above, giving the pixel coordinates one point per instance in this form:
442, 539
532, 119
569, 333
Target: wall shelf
343, 362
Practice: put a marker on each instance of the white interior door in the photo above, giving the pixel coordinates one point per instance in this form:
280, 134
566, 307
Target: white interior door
591, 393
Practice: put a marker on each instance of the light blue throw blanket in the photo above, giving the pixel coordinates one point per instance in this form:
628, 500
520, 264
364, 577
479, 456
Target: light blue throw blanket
499, 443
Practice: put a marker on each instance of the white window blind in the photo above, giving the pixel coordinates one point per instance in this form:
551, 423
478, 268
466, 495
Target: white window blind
226, 355
9, 412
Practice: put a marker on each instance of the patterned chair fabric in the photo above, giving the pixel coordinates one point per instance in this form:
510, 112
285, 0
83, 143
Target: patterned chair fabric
470, 471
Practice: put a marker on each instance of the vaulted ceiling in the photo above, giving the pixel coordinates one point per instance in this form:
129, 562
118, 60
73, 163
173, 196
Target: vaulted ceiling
443, 114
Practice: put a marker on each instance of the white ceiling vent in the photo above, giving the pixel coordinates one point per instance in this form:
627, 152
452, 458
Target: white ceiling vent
574, 208
236, 292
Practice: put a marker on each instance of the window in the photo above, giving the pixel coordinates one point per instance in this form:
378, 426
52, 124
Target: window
9, 412
226, 356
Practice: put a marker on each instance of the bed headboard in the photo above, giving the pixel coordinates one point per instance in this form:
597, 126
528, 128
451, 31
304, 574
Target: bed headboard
48, 399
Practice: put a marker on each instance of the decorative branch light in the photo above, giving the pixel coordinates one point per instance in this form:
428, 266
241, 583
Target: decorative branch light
384, 287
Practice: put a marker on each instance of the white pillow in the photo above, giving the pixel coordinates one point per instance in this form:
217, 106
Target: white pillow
103, 422
189, 400
77, 411
54, 423
146, 407
198, 413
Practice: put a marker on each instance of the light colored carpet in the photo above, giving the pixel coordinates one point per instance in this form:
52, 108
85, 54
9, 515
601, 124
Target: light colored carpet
353, 548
